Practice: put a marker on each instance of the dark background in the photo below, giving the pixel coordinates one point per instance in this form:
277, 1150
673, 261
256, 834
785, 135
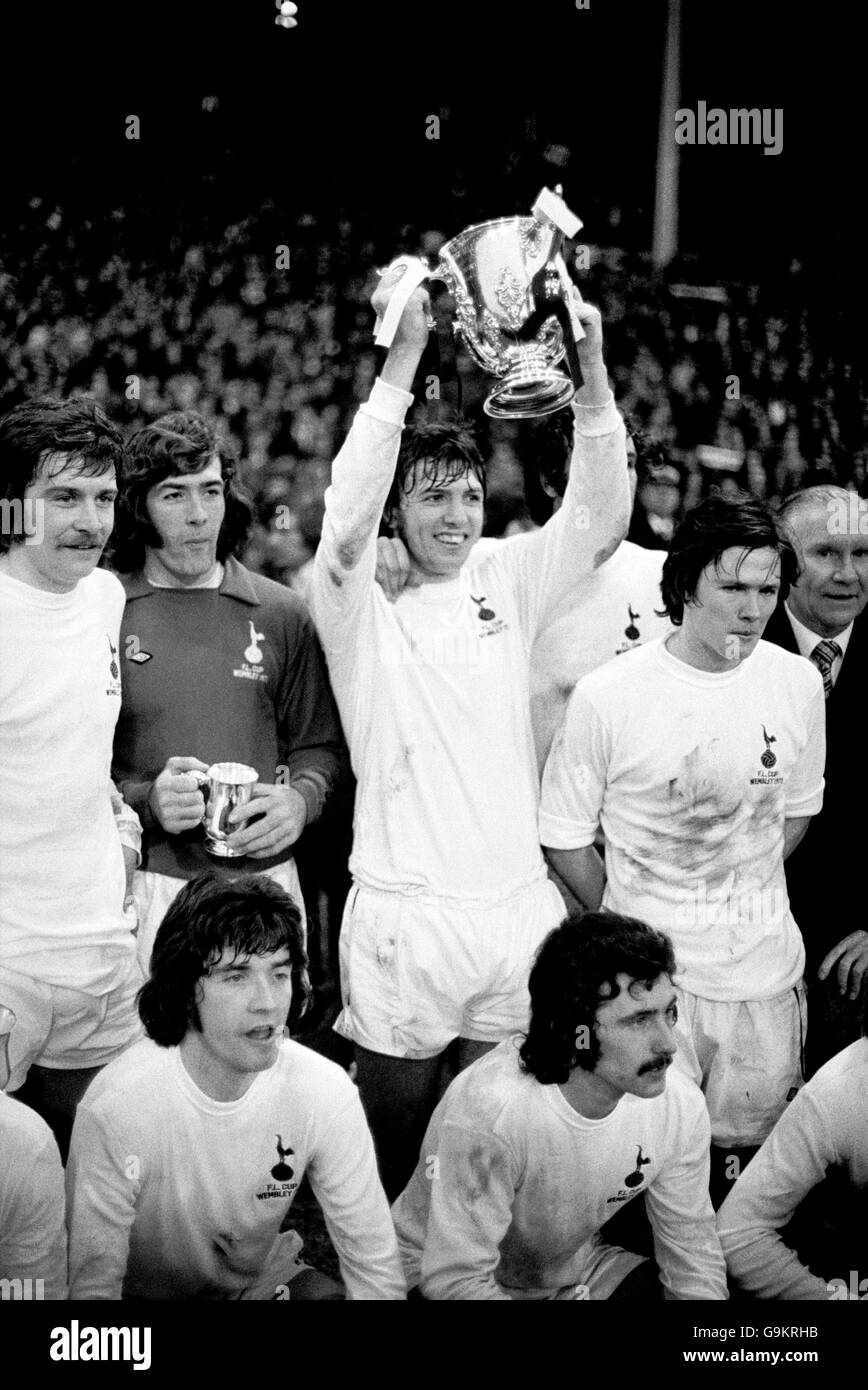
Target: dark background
332, 113
155, 257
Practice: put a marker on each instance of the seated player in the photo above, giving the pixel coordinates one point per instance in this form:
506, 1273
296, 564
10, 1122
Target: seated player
32, 1208
821, 1138
187, 1155
535, 1146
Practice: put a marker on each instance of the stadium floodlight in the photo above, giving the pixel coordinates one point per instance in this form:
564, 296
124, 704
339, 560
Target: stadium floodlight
286, 19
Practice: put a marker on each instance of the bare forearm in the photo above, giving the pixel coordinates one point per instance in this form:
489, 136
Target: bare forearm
399, 368
583, 872
594, 389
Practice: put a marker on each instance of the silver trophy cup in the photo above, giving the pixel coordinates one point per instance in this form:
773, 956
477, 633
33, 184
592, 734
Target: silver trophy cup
225, 786
512, 311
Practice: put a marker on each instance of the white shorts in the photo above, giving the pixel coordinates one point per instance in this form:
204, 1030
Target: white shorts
747, 1057
68, 1029
419, 971
155, 893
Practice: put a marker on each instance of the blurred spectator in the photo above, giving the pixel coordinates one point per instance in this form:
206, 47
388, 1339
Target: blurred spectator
282, 359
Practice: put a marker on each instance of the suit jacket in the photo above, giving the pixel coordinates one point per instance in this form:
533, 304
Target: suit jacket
825, 873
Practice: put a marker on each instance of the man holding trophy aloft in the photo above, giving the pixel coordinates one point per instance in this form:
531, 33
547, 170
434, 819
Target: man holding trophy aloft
450, 896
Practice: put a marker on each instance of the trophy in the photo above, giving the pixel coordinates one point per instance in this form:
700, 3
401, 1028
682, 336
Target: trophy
226, 785
515, 305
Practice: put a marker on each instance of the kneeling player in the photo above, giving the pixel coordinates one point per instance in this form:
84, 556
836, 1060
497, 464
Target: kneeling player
189, 1150
535, 1146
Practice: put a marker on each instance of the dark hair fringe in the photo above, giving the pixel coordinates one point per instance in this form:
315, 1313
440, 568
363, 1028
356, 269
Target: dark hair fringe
717, 524
178, 443
76, 425
574, 972
438, 451
250, 915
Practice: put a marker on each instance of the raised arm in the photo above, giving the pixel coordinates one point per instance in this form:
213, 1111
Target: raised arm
555, 561
362, 474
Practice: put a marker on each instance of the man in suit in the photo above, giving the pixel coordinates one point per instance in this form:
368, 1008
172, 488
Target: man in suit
821, 619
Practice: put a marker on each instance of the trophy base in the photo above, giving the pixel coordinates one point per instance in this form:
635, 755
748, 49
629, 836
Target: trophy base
221, 850
528, 394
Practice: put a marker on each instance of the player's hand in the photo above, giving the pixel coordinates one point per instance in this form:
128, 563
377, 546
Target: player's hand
590, 349
851, 956
284, 819
175, 798
415, 322
394, 573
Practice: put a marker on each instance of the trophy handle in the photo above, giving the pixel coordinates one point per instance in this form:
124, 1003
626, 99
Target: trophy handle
442, 272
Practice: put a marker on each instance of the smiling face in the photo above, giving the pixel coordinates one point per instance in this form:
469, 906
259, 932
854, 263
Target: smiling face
74, 515
832, 589
243, 1004
439, 522
636, 1033
734, 599
187, 510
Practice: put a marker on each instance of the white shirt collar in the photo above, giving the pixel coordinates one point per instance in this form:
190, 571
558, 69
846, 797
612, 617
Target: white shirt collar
213, 583
806, 641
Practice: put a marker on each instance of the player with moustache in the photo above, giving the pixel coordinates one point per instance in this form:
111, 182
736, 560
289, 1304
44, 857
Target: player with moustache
67, 951
535, 1146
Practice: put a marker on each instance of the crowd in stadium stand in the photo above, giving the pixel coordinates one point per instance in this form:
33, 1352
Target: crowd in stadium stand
735, 382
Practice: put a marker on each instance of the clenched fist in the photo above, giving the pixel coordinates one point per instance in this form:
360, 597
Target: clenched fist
415, 322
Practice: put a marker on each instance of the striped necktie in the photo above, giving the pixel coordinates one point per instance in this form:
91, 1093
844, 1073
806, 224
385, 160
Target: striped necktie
823, 656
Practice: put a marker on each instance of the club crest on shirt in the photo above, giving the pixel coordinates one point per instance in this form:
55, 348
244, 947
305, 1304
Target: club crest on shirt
631, 632
767, 777
114, 677
637, 1177
251, 669
634, 1182
487, 616
281, 1172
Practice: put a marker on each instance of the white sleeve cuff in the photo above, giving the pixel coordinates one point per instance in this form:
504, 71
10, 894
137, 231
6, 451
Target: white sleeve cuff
556, 833
596, 419
387, 403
